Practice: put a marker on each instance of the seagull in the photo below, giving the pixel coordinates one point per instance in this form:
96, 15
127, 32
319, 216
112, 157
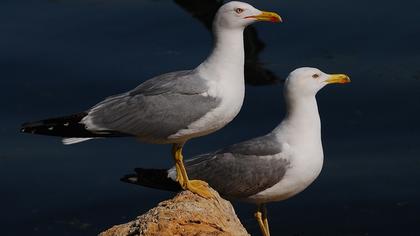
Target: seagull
269, 168
174, 107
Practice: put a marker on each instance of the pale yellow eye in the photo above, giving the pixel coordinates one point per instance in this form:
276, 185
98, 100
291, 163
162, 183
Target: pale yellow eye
315, 76
239, 10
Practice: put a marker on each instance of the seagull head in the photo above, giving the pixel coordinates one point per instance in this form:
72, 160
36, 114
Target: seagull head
237, 15
307, 81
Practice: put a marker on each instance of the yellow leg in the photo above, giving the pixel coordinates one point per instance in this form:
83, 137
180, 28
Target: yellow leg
265, 219
196, 186
261, 222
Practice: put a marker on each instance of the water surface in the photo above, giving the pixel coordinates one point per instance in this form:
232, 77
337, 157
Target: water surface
59, 57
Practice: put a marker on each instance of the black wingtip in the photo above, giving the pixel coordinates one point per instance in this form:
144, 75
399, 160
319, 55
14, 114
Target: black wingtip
131, 178
29, 127
152, 178
66, 126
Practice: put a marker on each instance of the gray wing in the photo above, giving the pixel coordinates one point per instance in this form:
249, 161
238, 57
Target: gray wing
155, 109
240, 170
182, 82
260, 146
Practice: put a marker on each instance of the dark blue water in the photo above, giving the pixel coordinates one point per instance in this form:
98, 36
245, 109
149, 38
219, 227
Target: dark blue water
59, 57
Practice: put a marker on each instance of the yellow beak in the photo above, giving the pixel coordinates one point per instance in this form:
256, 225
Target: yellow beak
267, 16
338, 79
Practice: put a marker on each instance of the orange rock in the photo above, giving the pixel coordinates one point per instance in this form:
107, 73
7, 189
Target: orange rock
186, 214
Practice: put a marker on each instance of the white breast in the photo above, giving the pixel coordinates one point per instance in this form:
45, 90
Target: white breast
231, 92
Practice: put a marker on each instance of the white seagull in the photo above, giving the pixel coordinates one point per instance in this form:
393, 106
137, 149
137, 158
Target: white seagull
174, 107
265, 169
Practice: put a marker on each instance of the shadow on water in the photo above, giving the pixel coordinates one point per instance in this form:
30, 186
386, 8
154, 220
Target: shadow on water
61, 57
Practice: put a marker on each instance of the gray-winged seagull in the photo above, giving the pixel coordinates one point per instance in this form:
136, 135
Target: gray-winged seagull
173, 107
269, 168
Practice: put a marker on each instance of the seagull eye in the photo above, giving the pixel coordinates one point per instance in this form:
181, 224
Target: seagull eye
239, 10
315, 76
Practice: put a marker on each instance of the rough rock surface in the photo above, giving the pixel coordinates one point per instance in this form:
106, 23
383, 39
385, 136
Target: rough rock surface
186, 214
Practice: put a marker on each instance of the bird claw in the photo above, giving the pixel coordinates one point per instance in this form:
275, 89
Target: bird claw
199, 187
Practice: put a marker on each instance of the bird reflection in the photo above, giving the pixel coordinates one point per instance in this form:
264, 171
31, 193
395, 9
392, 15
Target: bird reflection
255, 73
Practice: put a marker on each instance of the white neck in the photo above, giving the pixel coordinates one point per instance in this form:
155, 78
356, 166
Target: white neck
227, 55
301, 125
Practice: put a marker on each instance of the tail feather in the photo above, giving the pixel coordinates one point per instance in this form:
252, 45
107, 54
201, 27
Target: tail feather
69, 141
67, 127
152, 178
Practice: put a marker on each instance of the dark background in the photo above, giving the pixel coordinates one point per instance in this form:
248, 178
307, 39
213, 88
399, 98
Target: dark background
59, 57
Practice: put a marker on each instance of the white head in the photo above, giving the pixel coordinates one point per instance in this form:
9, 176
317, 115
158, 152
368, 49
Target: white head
237, 15
307, 81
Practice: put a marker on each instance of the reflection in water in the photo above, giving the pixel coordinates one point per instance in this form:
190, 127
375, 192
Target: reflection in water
255, 73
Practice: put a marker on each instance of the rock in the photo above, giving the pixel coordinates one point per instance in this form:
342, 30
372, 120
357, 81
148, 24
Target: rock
186, 214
